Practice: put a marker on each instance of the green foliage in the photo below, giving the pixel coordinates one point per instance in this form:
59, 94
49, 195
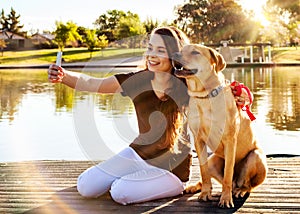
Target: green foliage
149, 25
211, 21
116, 24
4, 21
208, 21
129, 26
285, 19
103, 42
82, 31
292, 6
2, 45
106, 23
66, 33
215, 20
93, 42
11, 22
278, 32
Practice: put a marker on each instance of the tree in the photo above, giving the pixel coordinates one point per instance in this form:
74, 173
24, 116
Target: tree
11, 22
212, 21
2, 45
116, 24
130, 27
103, 42
277, 31
66, 33
4, 21
14, 22
82, 31
91, 41
149, 25
106, 23
293, 6
287, 17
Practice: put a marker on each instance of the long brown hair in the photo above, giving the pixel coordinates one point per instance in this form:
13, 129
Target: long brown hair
176, 96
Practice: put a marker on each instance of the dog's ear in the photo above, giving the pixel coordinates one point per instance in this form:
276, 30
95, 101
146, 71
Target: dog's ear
217, 59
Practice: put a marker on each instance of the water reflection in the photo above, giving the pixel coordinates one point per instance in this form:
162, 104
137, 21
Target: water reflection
276, 90
30, 107
13, 86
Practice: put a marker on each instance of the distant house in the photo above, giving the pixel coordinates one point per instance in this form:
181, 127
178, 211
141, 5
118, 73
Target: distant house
15, 41
38, 38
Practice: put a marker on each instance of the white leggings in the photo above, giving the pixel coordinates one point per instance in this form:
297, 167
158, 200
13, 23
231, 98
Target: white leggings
129, 178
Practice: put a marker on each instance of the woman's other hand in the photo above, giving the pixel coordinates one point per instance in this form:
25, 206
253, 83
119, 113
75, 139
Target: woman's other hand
241, 97
56, 73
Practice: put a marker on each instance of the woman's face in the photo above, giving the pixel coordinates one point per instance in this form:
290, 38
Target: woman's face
157, 56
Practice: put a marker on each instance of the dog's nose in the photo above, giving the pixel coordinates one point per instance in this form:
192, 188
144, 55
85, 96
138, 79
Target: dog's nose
176, 60
176, 56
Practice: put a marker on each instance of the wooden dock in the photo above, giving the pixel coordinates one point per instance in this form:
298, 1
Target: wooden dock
45, 187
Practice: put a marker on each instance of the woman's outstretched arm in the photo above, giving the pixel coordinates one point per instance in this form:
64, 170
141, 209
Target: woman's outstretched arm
83, 82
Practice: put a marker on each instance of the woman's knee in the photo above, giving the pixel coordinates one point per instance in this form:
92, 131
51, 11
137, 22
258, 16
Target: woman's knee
85, 188
136, 188
120, 193
92, 183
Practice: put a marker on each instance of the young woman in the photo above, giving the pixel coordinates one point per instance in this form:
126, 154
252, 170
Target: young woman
157, 163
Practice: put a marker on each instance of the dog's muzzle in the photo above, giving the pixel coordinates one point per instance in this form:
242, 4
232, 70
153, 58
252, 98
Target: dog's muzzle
177, 61
178, 65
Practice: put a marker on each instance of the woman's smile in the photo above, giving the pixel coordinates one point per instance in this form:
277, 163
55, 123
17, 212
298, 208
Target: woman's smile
153, 63
157, 56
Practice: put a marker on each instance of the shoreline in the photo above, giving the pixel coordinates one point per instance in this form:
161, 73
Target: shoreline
137, 61
81, 66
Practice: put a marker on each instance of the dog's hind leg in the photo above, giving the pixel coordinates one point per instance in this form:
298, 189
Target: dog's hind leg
249, 173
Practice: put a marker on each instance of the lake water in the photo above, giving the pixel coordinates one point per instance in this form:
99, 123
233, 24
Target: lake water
44, 121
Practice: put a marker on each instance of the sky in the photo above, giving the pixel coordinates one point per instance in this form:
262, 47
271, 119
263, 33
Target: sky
41, 15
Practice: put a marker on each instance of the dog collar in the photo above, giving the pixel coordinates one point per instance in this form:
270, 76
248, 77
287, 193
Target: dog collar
213, 93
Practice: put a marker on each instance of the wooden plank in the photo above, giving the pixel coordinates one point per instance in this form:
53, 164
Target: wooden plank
50, 187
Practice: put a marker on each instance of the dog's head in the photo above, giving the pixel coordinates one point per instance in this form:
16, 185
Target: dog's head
197, 60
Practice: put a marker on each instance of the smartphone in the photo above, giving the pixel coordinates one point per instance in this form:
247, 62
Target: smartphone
58, 58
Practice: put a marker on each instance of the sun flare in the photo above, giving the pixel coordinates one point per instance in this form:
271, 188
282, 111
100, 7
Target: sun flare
256, 6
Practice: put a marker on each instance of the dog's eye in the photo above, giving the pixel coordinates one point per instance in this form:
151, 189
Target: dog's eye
195, 52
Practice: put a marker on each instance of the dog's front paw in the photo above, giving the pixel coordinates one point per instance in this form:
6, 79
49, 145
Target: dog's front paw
193, 188
226, 200
205, 196
240, 192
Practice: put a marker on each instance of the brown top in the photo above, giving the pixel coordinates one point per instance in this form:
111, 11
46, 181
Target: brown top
152, 124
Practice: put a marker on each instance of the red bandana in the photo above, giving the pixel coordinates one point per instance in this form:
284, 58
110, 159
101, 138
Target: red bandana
238, 87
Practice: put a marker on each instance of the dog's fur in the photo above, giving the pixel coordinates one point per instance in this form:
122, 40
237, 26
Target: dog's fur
237, 161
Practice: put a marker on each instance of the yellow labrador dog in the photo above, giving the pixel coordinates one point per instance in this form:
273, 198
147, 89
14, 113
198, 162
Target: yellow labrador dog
216, 122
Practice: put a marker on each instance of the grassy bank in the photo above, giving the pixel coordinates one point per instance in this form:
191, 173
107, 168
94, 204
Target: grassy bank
287, 54
47, 56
